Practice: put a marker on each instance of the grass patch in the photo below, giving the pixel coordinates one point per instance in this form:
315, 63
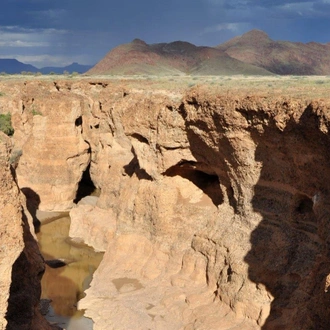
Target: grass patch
36, 112
5, 124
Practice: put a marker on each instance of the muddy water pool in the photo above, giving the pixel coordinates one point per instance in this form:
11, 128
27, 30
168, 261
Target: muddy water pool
65, 285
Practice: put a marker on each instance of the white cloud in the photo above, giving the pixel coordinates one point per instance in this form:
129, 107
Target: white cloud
20, 43
14, 36
44, 47
224, 26
229, 27
297, 7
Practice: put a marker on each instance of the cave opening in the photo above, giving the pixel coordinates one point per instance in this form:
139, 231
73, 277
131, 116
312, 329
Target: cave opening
208, 183
305, 205
302, 213
302, 204
86, 186
78, 121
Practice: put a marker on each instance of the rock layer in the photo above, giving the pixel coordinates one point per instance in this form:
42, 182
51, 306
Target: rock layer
213, 209
54, 141
21, 265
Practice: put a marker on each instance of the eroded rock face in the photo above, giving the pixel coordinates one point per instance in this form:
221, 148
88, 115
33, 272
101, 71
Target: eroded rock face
21, 265
52, 140
11, 229
213, 209
254, 234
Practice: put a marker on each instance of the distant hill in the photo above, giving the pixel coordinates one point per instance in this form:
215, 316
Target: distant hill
176, 57
253, 53
74, 67
280, 57
12, 66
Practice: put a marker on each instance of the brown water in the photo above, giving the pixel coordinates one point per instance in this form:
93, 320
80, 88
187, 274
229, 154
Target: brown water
65, 285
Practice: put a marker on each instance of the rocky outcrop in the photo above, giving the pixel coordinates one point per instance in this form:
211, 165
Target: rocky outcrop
21, 265
213, 209
54, 141
219, 211
275, 156
11, 230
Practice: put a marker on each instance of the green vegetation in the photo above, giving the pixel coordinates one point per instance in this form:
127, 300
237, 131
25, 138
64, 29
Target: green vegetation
74, 74
36, 112
5, 124
27, 73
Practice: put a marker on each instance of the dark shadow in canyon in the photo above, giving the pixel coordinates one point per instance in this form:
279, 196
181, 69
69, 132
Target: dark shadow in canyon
290, 247
25, 289
85, 186
290, 252
213, 160
208, 183
133, 167
32, 204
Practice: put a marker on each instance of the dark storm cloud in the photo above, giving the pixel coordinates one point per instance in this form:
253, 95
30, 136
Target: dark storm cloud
283, 20
62, 31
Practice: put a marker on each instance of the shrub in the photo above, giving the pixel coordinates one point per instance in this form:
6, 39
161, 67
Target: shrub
5, 124
36, 112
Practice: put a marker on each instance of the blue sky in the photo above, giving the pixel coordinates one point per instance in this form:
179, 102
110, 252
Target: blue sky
59, 32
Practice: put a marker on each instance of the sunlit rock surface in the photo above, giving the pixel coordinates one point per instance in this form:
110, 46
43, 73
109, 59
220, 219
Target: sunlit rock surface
213, 207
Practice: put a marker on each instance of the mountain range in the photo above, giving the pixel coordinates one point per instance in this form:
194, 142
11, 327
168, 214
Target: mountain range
13, 66
253, 53
280, 57
176, 57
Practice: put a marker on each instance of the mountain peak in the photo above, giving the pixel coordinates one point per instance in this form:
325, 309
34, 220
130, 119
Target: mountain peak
138, 41
255, 35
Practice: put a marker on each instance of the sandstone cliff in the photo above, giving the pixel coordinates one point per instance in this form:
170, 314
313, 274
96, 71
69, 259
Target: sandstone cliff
213, 208
21, 265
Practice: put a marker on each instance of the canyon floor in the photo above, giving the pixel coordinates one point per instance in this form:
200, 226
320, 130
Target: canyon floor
213, 198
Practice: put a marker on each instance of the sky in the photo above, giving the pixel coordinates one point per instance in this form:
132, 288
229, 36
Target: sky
59, 32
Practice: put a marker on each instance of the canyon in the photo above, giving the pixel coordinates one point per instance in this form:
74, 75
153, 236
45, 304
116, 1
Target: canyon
212, 207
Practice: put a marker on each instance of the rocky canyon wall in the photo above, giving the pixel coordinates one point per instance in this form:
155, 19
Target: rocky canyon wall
21, 265
213, 208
